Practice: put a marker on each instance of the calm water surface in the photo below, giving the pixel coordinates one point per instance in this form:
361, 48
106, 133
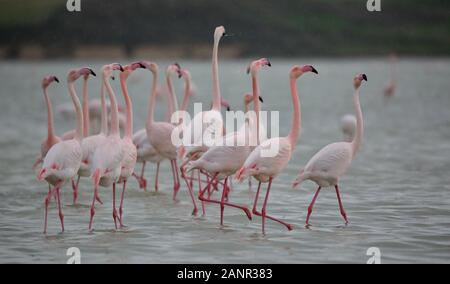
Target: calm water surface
397, 193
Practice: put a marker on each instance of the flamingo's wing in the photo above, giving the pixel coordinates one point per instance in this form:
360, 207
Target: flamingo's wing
333, 160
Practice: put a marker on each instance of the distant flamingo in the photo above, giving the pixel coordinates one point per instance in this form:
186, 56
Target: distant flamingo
63, 159
348, 127
333, 161
129, 149
223, 161
51, 139
108, 157
265, 168
389, 89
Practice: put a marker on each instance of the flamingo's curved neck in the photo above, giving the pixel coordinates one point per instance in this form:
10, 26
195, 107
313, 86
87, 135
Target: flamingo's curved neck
357, 140
297, 117
151, 105
86, 118
78, 111
215, 71
104, 118
173, 106
256, 106
246, 106
129, 109
187, 92
50, 120
114, 110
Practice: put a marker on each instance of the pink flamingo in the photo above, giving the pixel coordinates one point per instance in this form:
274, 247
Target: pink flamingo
146, 152
160, 133
51, 139
129, 149
63, 159
265, 168
223, 161
108, 157
333, 161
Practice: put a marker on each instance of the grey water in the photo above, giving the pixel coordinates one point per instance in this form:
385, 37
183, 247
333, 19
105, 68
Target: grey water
397, 192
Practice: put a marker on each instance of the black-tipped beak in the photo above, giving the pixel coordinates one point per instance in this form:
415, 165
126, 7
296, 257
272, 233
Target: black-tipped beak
269, 64
364, 77
314, 70
228, 108
248, 70
92, 73
113, 78
261, 99
56, 80
121, 68
141, 65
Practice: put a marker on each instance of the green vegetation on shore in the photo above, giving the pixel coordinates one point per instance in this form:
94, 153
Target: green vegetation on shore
279, 28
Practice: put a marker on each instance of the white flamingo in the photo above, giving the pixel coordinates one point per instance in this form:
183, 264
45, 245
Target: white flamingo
129, 149
333, 161
223, 161
265, 167
63, 160
108, 157
348, 127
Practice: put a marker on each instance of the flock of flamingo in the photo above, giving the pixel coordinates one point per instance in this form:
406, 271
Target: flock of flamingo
109, 158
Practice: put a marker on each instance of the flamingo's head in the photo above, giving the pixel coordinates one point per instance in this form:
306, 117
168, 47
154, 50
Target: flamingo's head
48, 80
248, 99
128, 69
219, 33
358, 80
75, 74
108, 70
258, 64
185, 74
174, 69
153, 67
298, 71
225, 104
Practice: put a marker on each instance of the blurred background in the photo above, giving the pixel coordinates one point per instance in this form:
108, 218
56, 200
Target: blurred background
284, 28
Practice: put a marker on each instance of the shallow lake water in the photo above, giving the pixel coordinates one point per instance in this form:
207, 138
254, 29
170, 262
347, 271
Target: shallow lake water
397, 192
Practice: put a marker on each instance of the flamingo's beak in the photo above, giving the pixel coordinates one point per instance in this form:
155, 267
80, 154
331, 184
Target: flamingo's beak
41, 175
261, 99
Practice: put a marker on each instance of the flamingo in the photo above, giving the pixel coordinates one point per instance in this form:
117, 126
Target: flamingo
160, 133
129, 149
348, 127
223, 161
51, 139
108, 157
389, 89
146, 152
332, 162
210, 121
265, 168
63, 159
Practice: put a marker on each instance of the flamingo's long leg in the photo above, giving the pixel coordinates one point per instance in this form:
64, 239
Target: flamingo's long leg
61, 215
200, 188
176, 184
311, 206
256, 199
75, 189
191, 193
222, 202
46, 203
208, 200
121, 203
341, 207
264, 215
157, 176
92, 212
114, 205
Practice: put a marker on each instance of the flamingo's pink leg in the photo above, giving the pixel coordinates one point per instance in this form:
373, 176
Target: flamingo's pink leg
176, 183
200, 188
311, 206
61, 215
157, 177
46, 202
256, 200
191, 193
92, 212
140, 179
243, 208
192, 180
341, 207
121, 203
222, 202
75, 190
264, 215
114, 205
